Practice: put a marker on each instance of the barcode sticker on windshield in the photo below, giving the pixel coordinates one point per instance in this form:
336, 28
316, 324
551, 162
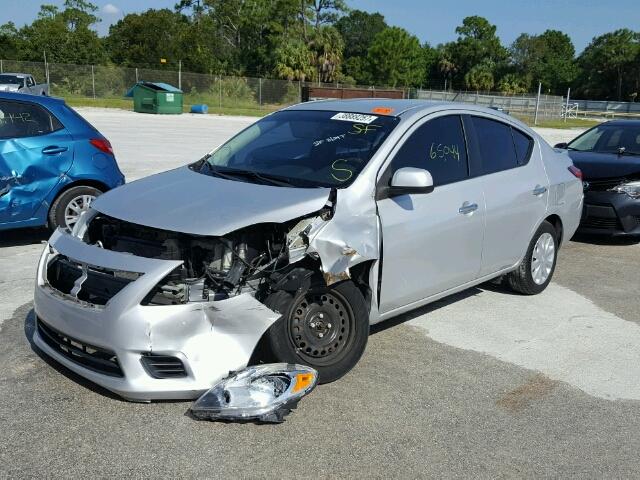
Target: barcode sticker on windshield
354, 117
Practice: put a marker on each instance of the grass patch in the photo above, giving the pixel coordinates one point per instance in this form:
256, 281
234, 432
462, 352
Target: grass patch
123, 103
560, 123
127, 104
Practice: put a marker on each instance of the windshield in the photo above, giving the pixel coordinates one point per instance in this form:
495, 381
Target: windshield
609, 139
301, 149
11, 80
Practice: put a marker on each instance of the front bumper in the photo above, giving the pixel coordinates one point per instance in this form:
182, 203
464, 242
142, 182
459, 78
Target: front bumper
610, 213
210, 338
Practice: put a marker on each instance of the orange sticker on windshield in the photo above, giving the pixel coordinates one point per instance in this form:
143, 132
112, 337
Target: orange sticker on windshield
382, 110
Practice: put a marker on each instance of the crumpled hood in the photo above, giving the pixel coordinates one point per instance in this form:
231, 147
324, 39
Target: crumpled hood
605, 165
185, 201
9, 87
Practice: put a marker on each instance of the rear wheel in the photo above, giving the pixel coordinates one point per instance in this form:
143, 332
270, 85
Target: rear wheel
68, 207
536, 270
325, 327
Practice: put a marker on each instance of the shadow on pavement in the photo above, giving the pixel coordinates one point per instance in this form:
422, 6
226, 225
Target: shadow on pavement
605, 240
405, 317
23, 236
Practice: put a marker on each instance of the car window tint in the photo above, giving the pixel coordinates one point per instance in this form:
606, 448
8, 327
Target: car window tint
496, 145
437, 146
22, 119
524, 145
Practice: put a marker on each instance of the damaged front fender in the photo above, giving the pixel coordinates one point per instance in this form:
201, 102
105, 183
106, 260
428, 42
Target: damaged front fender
349, 238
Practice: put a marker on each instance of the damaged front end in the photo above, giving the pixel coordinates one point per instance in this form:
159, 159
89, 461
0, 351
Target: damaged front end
155, 314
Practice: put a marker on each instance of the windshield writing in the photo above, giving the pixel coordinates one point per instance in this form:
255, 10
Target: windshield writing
303, 148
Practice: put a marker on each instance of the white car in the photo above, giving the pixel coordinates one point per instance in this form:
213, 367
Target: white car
287, 242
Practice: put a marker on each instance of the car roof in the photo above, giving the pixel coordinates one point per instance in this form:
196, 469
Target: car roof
400, 108
26, 97
367, 105
15, 74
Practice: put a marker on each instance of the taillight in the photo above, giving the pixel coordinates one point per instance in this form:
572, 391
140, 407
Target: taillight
102, 144
576, 171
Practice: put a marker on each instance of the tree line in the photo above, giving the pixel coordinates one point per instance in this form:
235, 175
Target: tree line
326, 41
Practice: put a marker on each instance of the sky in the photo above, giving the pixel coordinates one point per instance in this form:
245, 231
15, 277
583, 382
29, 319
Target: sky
431, 21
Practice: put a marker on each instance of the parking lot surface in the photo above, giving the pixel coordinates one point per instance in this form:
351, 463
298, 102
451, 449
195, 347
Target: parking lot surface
482, 384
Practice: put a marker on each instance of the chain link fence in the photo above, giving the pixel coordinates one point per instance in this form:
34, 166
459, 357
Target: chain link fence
523, 106
243, 95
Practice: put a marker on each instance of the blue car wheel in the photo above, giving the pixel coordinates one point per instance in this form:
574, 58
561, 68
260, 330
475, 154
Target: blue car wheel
66, 209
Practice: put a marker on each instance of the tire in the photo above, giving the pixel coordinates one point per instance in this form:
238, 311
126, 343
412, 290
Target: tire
58, 212
324, 327
531, 281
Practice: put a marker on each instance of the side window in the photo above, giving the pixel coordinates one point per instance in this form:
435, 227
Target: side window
496, 145
23, 119
437, 146
30, 82
524, 146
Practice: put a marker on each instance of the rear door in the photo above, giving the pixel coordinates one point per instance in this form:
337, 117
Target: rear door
35, 152
431, 242
515, 185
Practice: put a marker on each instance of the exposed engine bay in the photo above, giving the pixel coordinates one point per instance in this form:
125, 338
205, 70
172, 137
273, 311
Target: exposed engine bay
214, 268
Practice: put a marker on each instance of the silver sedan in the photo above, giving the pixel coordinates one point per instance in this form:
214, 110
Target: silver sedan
287, 242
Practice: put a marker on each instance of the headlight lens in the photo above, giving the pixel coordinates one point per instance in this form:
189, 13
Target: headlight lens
631, 188
264, 392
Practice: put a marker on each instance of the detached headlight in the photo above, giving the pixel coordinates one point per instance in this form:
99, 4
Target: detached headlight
631, 188
263, 392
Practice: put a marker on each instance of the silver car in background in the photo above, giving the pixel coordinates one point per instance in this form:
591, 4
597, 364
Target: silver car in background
287, 242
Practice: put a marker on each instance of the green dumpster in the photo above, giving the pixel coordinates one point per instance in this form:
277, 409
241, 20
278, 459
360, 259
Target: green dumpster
155, 97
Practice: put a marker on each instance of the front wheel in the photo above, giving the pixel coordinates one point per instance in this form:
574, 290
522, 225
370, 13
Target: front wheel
324, 327
535, 272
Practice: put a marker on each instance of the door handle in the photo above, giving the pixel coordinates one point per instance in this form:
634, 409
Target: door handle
467, 208
539, 190
53, 149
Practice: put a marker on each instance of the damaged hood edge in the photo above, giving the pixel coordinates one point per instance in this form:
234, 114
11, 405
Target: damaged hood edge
185, 201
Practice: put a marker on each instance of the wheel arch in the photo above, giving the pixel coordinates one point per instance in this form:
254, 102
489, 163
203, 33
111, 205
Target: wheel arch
556, 221
84, 182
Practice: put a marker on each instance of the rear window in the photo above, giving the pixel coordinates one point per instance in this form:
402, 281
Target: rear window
11, 80
24, 119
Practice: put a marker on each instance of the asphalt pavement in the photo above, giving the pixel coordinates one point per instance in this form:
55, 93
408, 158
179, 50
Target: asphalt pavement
485, 384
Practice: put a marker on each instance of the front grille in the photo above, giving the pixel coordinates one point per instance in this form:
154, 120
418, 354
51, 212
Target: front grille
99, 286
94, 358
601, 223
163, 366
604, 184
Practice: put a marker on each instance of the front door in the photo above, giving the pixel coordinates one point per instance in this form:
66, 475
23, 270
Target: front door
35, 151
431, 242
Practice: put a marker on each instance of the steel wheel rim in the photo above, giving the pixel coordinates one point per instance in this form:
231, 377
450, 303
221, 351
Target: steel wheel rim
321, 327
543, 258
74, 209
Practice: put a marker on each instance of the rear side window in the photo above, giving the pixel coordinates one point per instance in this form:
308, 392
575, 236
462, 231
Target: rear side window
23, 119
524, 146
437, 146
496, 145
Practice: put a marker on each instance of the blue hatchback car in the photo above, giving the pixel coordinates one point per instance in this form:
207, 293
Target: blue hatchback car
53, 163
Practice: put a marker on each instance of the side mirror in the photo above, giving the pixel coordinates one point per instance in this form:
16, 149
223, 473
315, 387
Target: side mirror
408, 180
562, 145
